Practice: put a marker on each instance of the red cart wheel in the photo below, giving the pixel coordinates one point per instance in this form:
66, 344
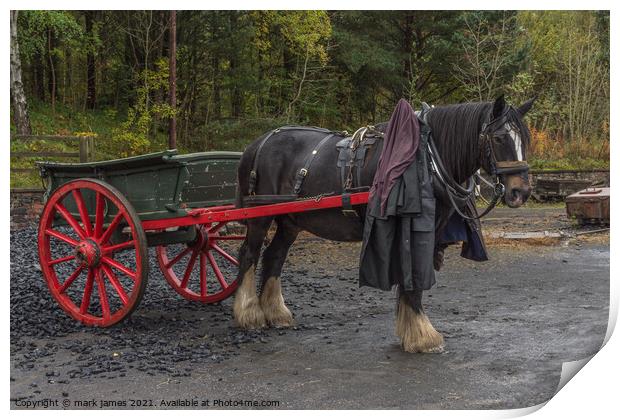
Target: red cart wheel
185, 266
83, 253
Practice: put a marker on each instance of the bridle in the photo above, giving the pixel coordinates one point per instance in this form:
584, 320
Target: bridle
492, 128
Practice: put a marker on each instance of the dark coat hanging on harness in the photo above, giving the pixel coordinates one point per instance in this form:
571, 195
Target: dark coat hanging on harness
399, 231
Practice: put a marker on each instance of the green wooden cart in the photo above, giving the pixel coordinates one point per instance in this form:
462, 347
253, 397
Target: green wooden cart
91, 230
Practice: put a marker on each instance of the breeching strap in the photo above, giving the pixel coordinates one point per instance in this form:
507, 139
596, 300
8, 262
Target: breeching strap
253, 174
301, 175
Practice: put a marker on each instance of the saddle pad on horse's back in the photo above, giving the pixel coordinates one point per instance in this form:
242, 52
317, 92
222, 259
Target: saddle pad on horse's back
351, 160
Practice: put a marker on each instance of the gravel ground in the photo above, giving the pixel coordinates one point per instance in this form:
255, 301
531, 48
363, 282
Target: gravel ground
508, 323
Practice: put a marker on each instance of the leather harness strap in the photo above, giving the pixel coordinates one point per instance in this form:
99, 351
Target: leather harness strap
254, 172
301, 175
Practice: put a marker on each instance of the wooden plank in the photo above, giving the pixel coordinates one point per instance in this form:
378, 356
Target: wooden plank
50, 137
26, 190
85, 152
24, 170
86, 149
566, 171
46, 154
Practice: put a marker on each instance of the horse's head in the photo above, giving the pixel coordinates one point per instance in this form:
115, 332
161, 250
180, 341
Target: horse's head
505, 139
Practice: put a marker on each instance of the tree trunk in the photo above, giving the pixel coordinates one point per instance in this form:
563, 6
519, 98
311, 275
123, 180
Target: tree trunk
236, 96
407, 47
217, 90
38, 76
18, 97
172, 129
91, 90
52, 75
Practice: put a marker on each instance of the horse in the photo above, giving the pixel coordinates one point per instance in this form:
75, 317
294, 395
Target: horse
461, 132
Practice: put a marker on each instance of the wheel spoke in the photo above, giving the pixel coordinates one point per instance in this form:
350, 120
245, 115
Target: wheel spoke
106, 235
88, 290
225, 254
61, 236
216, 270
203, 274
114, 248
216, 227
103, 297
188, 270
70, 280
70, 219
116, 284
99, 208
79, 200
178, 257
113, 263
61, 260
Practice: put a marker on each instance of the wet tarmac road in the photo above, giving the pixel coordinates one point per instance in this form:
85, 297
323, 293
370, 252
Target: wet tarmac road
509, 323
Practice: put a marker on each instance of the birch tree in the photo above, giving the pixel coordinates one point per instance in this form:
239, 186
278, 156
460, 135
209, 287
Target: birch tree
489, 54
18, 97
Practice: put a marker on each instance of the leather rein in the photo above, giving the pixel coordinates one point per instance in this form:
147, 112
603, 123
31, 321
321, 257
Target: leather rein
454, 190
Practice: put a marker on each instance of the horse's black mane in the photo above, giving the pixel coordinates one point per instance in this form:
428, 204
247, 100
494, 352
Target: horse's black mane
456, 130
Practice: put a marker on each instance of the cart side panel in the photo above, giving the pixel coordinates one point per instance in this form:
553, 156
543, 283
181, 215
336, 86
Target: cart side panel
212, 182
158, 185
154, 192
152, 183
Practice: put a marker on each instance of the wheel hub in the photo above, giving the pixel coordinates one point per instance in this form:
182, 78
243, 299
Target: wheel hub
88, 253
202, 240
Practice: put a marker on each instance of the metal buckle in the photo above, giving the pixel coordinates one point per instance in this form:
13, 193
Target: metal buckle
350, 213
303, 172
500, 189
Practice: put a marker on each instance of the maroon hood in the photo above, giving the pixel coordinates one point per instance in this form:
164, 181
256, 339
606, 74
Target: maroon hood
400, 143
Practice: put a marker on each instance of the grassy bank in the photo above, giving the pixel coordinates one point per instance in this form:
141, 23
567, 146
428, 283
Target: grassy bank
221, 135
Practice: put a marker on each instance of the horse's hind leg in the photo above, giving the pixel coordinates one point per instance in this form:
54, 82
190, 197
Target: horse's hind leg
246, 308
416, 333
271, 299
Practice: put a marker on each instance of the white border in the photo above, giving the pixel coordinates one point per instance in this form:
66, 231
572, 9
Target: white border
592, 394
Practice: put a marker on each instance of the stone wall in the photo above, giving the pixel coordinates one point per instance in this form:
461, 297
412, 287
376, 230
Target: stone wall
26, 207
600, 178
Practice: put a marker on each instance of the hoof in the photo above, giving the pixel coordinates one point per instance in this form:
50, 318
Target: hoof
249, 315
279, 317
415, 348
417, 334
273, 306
427, 344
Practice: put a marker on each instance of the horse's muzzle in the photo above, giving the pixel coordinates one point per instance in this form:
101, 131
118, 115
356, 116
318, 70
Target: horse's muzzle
517, 196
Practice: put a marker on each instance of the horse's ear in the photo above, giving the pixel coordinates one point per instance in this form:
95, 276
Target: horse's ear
498, 106
527, 105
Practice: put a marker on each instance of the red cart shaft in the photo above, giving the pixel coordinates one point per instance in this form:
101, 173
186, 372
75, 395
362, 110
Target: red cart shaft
230, 213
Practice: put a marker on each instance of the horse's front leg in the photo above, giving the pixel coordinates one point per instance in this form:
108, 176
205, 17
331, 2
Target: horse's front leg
417, 334
271, 299
246, 307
